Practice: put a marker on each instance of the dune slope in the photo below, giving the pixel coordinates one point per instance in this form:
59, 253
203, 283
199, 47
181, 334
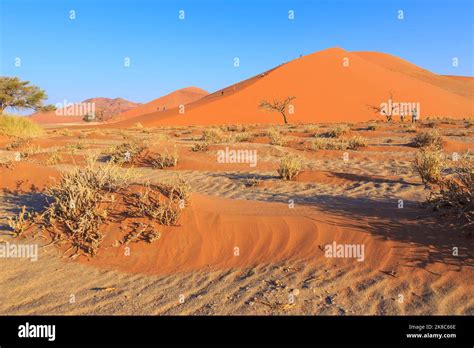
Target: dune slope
327, 90
172, 100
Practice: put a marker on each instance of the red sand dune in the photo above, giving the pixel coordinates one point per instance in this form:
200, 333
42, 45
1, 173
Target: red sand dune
173, 100
327, 91
105, 107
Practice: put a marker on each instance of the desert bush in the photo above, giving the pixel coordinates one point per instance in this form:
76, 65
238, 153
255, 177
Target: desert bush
454, 196
328, 144
53, 158
200, 147
234, 128
428, 139
19, 126
149, 204
275, 137
19, 143
164, 160
127, 152
212, 135
372, 127
357, 142
19, 223
242, 137
429, 165
77, 209
178, 189
30, 150
336, 132
290, 166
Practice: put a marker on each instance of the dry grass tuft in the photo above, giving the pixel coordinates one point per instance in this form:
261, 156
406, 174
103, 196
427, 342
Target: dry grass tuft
429, 165
290, 166
200, 147
20, 127
336, 132
276, 138
357, 142
54, 158
213, 136
242, 137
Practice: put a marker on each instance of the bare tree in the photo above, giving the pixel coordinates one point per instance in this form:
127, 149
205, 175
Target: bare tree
277, 105
380, 110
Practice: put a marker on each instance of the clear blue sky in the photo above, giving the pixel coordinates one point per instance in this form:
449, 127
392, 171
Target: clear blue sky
83, 58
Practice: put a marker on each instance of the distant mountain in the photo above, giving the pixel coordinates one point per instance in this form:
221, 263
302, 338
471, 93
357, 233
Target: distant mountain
105, 109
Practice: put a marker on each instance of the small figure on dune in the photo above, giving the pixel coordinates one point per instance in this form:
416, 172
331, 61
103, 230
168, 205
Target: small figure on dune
414, 116
222, 92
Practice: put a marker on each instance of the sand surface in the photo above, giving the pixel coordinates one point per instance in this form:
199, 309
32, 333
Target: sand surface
251, 247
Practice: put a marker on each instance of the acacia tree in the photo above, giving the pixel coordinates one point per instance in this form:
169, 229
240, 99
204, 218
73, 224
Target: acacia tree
18, 94
277, 105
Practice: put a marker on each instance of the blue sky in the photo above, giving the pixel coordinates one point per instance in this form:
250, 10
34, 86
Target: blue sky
83, 58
